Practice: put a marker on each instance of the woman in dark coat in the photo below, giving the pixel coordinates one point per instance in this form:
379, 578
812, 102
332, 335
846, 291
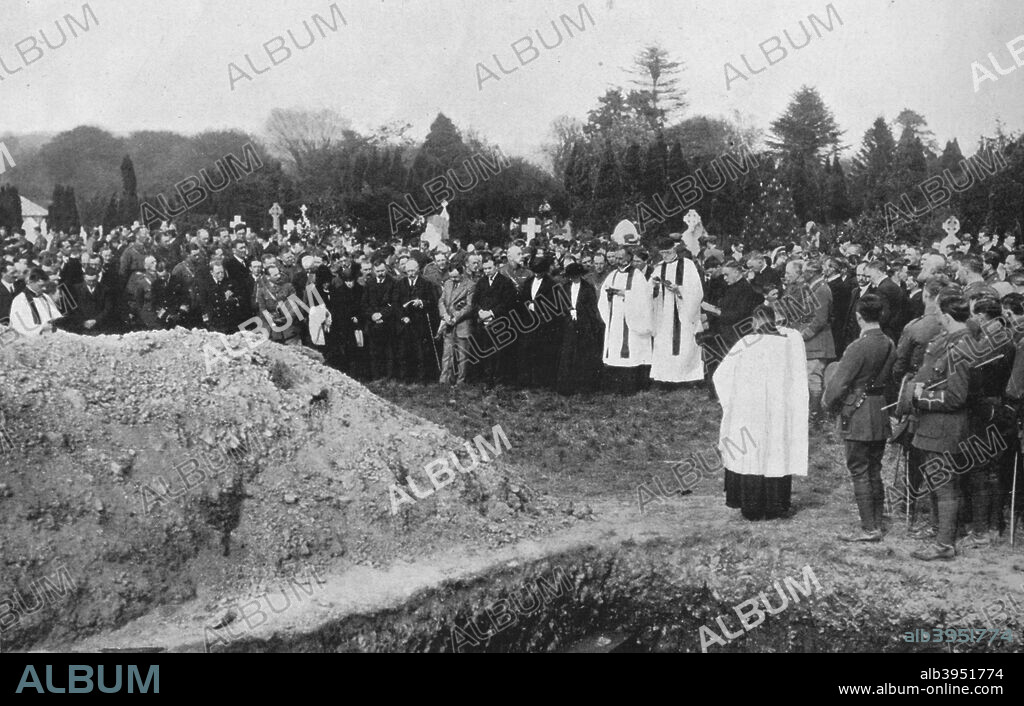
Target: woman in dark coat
579, 362
344, 351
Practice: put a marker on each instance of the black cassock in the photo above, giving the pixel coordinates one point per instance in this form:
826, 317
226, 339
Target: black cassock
539, 318
579, 363
345, 304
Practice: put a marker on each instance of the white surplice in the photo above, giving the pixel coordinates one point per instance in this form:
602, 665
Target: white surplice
24, 322
762, 386
670, 308
627, 318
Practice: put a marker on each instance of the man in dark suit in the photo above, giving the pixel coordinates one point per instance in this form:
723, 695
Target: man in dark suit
861, 287
856, 394
414, 299
378, 294
762, 278
219, 300
835, 269
237, 269
95, 307
539, 327
10, 286
494, 298
892, 296
735, 309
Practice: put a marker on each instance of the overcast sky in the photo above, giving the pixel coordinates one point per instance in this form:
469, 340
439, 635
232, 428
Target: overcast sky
158, 64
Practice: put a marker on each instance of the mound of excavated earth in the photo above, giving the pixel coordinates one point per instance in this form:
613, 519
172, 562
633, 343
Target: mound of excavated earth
134, 477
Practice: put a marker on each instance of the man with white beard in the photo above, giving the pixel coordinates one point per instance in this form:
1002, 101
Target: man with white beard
678, 294
624, 301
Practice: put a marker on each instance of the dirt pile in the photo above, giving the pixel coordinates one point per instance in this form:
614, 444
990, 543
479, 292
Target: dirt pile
132, 478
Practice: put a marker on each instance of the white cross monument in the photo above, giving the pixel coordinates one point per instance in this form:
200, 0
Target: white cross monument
275, 213
531, 229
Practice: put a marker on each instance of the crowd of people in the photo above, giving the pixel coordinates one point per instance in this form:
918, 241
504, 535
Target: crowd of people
580, 316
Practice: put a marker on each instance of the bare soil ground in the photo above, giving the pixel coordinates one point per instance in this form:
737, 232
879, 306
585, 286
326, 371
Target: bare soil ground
95, 422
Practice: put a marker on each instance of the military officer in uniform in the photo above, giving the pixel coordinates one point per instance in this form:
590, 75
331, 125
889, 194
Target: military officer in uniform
940, 397
909, 354
857, 392
989, 415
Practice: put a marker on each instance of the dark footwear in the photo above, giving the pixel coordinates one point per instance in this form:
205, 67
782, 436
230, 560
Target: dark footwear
862, 536
933, 552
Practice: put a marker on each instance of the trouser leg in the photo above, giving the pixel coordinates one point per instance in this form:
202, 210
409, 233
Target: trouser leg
917, 491
859, 460
984, 490
461, 360
876, 452
815, 384
945, 488
448, 360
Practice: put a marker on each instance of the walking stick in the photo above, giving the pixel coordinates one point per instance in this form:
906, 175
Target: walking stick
1013, 497
430, 338
906, 465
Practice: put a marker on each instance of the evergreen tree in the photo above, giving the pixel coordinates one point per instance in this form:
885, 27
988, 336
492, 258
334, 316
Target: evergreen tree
676, 167
807, 128
915, 122
805, 177
419, 173
397, 175
374, 167
632, 173
73, 221
443, 148
951, 167
659, 86
839, 207
578, 184
360, 168
129, 192
771, 220
803, 136
112, 214
655, 179
10, 208
55, 216
910, 166
607, 191
951, 157
873, 167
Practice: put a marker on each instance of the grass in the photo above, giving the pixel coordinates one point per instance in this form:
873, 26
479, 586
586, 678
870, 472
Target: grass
601, 446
